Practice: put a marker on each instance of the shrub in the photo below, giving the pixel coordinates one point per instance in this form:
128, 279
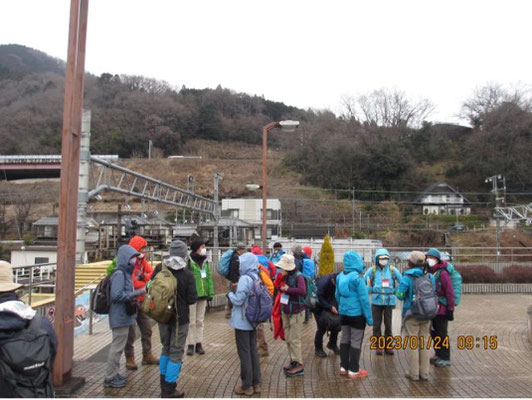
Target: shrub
478, 274
517, 274
326, 260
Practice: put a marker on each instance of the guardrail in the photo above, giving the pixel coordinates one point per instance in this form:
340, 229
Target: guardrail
36, 275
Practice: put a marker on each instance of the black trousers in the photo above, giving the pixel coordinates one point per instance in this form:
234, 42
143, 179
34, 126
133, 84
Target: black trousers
246, 345
322, 330
439, 330
378, 312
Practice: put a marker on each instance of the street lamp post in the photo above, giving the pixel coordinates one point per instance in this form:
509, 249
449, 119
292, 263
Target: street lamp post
287, 126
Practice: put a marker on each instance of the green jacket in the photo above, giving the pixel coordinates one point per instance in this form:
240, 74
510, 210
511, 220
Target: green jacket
204, 286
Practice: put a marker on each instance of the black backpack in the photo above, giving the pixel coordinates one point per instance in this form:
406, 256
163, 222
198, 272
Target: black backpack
26, 363
101, 297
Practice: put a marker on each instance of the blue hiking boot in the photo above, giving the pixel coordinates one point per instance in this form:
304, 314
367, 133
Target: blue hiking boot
117, 382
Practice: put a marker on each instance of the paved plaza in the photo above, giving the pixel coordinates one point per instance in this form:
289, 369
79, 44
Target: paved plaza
504, 372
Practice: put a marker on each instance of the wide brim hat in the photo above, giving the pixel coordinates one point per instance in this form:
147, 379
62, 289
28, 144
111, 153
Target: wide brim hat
6, 278
287, 262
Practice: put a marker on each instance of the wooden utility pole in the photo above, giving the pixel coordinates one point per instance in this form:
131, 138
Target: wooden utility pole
68, 200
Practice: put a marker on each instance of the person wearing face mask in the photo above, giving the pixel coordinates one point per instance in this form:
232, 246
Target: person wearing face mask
446, 303
174, 333
381, 281
278, 252
122, 313
198, 264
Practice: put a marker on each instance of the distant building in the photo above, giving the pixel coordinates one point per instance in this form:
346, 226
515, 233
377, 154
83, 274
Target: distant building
441, 199
250, 211
230, 231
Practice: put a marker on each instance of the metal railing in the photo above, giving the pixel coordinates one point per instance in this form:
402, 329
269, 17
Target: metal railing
36, 275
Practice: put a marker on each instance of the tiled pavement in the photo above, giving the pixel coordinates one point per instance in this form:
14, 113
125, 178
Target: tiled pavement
504, 372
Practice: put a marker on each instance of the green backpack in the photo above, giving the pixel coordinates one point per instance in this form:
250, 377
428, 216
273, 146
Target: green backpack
161, 296
456, 279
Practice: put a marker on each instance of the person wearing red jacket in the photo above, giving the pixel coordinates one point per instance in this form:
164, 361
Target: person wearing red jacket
141, 275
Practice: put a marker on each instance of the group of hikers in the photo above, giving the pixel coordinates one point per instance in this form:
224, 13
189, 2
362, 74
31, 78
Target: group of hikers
281, 288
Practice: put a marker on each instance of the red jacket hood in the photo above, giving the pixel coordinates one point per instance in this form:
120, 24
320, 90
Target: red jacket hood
138, 242
256, 250
308, 251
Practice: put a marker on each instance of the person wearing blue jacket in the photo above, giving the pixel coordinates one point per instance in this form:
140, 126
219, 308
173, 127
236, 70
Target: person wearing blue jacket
122, 312
380, 279
354, 308
245, 333
278, 252
418, 356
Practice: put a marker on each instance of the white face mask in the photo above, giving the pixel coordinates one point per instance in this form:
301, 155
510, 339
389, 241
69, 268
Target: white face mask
432, 262
383, 263
203, 252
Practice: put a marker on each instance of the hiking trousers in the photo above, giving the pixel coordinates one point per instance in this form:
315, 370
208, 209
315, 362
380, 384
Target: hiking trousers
380, 313
351, 346
321, 331
246, 346
418, 356
197, 315
261, 337
440, 330
293, 325
173, 339
144, 323
115, 351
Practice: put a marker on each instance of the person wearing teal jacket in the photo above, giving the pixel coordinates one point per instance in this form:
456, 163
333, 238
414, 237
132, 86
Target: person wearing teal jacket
198, 264
354, 309
381, 281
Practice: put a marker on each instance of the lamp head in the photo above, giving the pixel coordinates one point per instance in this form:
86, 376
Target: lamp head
288, 125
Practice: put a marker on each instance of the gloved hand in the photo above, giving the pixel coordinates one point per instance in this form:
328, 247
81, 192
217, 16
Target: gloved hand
450, 316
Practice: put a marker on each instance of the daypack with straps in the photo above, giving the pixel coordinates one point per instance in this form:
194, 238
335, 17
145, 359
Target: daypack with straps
161, 296
424, 301
311, 298
308, 268
225, 262
260, 304
456, 279
101, 297
26, 363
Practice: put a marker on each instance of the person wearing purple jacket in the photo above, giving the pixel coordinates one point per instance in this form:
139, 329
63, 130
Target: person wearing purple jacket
293, 292
444, 290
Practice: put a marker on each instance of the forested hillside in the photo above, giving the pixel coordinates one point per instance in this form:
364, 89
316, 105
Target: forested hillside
382, 144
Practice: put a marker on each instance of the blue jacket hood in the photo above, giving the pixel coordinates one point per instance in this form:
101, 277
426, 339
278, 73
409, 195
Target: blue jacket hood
125, 253
416, 271
248, 263
353, 262
381, 252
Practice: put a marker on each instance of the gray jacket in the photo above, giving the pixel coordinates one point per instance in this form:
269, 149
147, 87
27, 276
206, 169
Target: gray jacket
122, 290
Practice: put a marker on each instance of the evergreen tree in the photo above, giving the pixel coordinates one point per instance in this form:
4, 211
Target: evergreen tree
326, 262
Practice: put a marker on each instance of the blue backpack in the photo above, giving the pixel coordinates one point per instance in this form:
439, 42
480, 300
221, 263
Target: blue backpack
456, 278
225, 261
308, 268
260, 304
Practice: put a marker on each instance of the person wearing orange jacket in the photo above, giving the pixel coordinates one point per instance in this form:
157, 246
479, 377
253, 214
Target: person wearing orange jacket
141, 275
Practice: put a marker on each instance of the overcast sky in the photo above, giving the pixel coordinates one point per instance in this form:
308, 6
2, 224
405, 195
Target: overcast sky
304, 53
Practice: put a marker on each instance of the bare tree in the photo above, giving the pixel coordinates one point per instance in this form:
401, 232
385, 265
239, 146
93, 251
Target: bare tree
492, 96
385, 107
3, 217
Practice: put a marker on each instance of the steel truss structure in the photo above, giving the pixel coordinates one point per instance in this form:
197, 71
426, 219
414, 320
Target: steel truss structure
106, 176
516, 213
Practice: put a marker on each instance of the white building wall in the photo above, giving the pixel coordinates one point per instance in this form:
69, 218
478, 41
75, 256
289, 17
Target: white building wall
20, 258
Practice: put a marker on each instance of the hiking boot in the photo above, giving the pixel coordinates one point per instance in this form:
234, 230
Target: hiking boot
334, 348
320, 353
116, 382
296, 370
199, 349
149, 359
257, 389
423, 377
434, 359
131, 364
343, 371
190, 350
442, 363
239, 389
412, 378
176, 394
362, 373
389, 352
379, 352
289, 365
